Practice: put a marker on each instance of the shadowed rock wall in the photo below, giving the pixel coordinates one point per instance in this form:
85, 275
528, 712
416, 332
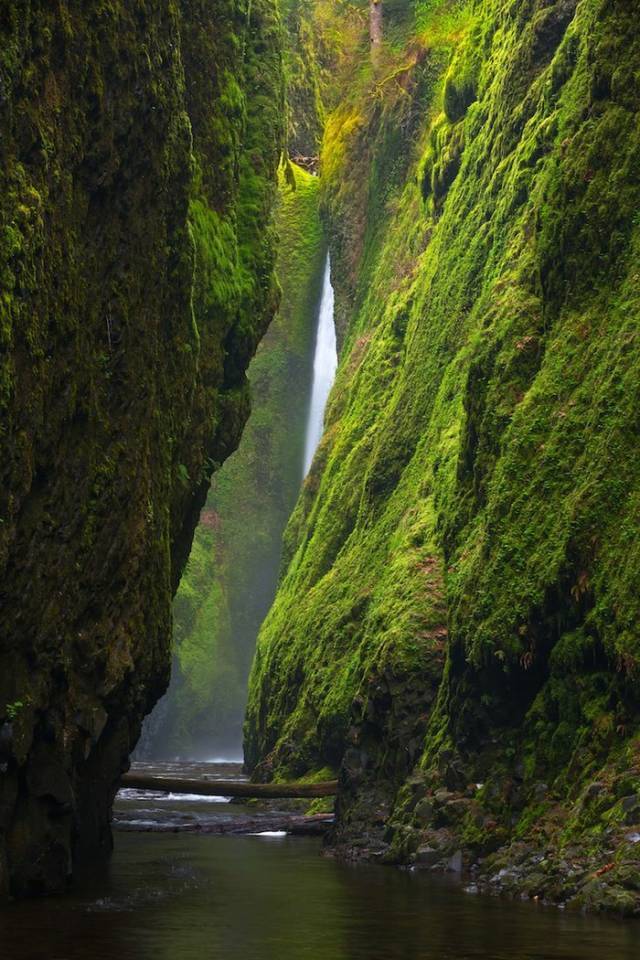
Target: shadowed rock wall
138, 148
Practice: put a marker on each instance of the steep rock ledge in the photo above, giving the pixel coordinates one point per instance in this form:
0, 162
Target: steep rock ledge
137, 171
231, 577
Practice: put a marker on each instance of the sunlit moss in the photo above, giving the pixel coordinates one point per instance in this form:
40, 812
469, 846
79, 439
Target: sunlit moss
475, 498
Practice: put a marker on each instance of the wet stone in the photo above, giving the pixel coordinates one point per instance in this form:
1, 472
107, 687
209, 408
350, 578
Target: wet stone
424, 811
593, 790
428, 856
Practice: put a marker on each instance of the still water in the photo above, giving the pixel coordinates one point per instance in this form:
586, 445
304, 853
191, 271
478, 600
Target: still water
196, 896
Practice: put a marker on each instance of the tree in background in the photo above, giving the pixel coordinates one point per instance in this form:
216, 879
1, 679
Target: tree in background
375, 27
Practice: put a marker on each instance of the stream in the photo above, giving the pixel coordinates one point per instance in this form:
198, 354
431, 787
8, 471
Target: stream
186, 894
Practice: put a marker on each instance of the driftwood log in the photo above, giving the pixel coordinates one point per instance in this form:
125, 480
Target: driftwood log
229, 788
297, 825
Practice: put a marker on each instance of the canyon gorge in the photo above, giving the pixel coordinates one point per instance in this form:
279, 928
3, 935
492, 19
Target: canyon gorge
427, 588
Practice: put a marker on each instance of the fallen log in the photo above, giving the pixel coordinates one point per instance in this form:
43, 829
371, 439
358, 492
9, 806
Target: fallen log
230, 788
296, 825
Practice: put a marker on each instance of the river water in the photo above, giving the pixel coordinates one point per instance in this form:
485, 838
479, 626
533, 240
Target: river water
186, 894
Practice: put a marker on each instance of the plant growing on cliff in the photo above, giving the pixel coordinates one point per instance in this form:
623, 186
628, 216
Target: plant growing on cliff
12, 710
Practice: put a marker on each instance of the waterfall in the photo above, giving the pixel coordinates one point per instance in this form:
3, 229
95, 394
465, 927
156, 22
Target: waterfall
325, 362
251, 569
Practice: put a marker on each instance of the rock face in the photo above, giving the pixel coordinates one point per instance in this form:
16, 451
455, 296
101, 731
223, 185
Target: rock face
232, 574
138, 151
457, 626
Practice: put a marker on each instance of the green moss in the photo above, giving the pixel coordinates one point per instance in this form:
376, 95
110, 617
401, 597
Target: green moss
474, 497
461, 80
303, 77
233, 568
137, 178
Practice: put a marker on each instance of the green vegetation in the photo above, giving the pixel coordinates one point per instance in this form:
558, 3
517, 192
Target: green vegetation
460, 603
138, 163
455, 627
232, 573
346, 606
12, 710
305, 112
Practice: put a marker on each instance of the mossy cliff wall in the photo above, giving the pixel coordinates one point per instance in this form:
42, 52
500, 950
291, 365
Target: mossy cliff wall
457, 629
231, 576
138, 151
305, 113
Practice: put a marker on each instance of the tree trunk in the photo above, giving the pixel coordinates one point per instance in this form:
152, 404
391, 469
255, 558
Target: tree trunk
375, 26
229, 788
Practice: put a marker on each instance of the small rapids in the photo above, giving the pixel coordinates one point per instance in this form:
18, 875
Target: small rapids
152, 811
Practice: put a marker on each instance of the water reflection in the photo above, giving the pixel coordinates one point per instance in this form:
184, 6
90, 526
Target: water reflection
185, 897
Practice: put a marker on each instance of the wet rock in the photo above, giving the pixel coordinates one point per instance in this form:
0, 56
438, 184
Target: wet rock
100, 497
594, 790
631, 809
452, 812
444, 796
455, 777
6, 740
424, 811
92, 721
540, 791
503, 875
427, 856
354, 764
417, 780
599, 896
